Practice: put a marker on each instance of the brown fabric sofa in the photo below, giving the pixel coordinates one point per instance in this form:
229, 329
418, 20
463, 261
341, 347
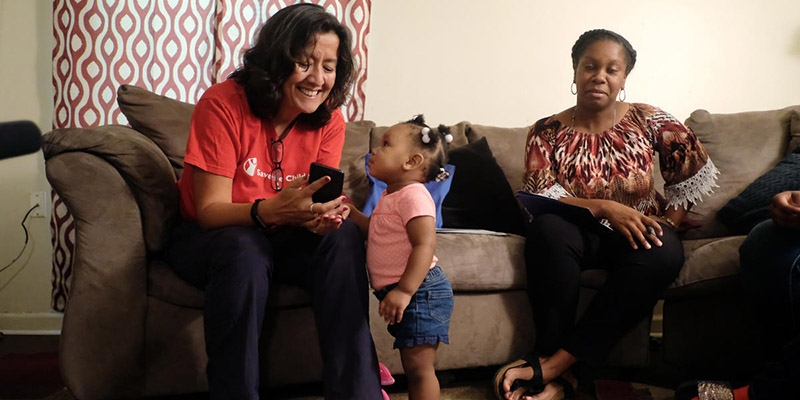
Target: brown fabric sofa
132, 328
708, 329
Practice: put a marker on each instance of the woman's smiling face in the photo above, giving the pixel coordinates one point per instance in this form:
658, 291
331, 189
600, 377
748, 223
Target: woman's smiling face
313, 77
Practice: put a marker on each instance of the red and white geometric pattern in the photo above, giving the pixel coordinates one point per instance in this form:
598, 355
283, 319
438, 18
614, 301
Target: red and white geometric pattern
175, 48
164, 46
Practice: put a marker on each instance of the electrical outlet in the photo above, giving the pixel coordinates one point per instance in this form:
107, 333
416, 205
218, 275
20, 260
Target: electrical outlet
43, 200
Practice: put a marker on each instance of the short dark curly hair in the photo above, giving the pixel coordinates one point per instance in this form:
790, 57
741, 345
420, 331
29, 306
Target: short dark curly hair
595, 35
435, 151
271, 61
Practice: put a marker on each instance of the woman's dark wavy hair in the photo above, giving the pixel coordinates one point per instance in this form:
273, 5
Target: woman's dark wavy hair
589, 37
281, 40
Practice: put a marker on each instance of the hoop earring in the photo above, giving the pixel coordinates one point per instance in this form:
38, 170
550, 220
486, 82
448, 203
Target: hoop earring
573, 88
622, 95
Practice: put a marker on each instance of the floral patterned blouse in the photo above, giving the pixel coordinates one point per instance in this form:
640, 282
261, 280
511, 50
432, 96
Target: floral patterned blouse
618, 164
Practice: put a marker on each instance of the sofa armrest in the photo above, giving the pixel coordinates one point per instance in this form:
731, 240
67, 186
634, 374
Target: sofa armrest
120, 189
140, 162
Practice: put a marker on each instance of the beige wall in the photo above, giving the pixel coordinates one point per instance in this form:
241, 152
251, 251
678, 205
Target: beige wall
26, 93
502, 62
507, 62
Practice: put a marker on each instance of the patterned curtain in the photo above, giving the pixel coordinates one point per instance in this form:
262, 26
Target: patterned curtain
172, 47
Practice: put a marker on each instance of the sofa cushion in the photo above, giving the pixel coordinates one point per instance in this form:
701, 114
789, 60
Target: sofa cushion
438, 191
751, 206
794, 127
706, 260
508, 147
480, 196
482, 261
165, 121
709, 259
743, 146
356, 144
163, 283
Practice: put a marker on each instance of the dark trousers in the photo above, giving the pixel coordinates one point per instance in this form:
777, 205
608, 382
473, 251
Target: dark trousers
236, 265
558, 250
770, 260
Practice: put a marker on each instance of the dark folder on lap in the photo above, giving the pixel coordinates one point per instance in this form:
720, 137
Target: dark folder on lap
535, 204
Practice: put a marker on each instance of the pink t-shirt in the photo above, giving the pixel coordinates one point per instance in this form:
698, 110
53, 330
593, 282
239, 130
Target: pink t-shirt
227, 139
388, 247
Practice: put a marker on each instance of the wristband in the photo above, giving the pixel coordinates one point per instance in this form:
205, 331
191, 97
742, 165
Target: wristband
669, 221
255, 217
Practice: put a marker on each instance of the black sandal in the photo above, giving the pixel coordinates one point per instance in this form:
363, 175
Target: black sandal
534, 385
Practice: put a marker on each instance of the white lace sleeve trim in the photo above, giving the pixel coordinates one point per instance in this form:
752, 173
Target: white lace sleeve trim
555, 192
693, 189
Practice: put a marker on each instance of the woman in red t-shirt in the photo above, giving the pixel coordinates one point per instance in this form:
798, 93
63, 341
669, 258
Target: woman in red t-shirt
248, 214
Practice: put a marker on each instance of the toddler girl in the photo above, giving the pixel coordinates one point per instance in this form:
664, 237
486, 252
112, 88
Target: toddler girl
416, 297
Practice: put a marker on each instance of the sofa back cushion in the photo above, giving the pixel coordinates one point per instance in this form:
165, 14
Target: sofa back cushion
508, 147
752, 205
743, 146
356, 146
480, 196
165, 121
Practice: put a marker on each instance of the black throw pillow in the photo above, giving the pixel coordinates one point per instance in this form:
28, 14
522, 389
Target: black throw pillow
480, 196
751, 206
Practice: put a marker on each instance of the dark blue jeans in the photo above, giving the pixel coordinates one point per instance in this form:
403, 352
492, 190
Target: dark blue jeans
235, 266
770, 259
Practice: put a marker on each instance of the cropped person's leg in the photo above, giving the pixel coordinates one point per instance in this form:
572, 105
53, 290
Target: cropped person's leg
333, 269
554, 250
770, 261
778, 378
636, 281
233, 266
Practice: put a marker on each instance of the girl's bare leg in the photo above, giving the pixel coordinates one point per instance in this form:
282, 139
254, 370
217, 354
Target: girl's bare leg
418, 367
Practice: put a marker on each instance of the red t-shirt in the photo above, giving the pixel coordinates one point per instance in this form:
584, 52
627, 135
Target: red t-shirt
227, 139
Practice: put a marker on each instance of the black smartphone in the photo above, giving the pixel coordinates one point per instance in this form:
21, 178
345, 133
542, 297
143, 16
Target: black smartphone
332, 189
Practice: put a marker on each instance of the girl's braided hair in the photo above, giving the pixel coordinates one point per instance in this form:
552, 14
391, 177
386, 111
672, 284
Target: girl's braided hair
433, 144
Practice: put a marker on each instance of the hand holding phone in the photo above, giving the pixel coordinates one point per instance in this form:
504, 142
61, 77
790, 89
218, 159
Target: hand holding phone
332, 189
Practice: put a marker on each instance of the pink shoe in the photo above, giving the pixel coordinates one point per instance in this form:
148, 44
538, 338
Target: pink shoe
386, 376
385, 395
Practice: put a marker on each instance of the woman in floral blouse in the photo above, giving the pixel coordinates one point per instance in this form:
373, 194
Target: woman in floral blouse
601, 155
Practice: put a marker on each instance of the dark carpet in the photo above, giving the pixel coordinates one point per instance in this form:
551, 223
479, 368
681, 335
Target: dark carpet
29, 376
29, 369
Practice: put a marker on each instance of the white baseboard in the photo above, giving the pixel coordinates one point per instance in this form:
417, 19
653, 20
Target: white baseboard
47, 323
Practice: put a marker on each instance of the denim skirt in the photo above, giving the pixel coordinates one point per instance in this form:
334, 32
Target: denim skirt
426, 320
